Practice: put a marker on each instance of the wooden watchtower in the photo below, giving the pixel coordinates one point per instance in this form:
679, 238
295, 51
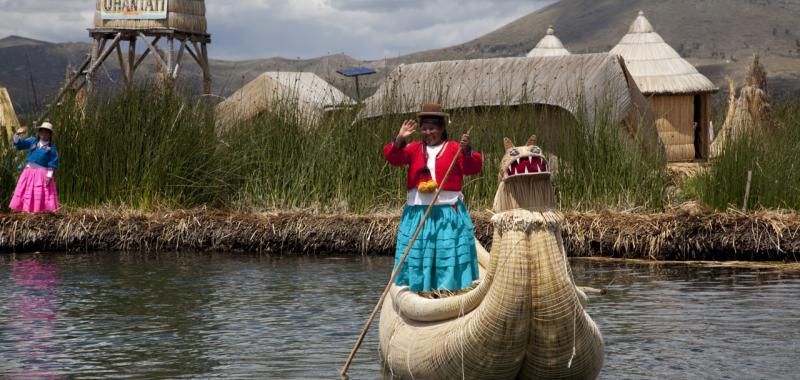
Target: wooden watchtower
168, 30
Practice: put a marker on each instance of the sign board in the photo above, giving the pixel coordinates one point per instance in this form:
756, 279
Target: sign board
133, 9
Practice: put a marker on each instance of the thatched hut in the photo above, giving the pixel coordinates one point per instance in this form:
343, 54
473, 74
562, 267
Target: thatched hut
581, 87
8, 117
549, 46
679, 95
183, 15
303, 95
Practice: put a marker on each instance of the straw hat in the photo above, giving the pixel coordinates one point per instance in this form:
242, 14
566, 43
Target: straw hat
432, 110
46, 126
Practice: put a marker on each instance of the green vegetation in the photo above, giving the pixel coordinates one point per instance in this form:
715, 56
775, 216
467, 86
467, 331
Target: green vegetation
137, 149
147, 149
8, 169
772, 154
340, 166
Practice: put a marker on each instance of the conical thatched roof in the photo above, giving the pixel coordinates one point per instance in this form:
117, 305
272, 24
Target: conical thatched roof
656, 67
549, 46
306, 93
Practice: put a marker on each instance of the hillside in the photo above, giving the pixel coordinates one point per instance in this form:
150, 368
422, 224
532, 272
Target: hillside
718, 36
48, 63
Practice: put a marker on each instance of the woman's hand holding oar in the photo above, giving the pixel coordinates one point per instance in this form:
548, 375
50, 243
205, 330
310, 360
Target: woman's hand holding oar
403, 259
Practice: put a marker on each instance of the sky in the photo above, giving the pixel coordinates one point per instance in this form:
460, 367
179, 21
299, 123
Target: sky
249, 29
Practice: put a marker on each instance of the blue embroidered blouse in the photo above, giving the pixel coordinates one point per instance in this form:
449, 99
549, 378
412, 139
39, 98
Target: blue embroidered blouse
45, 156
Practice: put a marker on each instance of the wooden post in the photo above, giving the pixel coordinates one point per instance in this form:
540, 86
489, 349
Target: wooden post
131, 56
146, 52
94, 57
155, 52
170, 54
358, 90
747, 189
104, 55
206, 70
179, 60
122, 66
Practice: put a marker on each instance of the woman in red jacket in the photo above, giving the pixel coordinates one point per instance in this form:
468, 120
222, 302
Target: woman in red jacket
443, 256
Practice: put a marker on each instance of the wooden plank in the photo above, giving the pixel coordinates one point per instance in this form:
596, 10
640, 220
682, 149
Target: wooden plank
64, 89
194, 55
105, 55
155, 52
122, 67
144, 55
179, 60
131, 56
206, 70
170, 55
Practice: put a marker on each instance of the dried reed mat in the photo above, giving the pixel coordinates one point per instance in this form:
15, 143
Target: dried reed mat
681, 171
688, 232
685, 233
524, 320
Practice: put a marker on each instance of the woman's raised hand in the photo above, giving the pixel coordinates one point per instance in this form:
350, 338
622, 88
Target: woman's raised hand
21, 130
465, 140
407, 130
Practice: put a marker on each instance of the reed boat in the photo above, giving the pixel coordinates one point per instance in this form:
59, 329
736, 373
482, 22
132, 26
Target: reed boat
525, 319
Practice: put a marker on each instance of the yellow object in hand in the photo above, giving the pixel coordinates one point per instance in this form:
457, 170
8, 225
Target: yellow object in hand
427, 187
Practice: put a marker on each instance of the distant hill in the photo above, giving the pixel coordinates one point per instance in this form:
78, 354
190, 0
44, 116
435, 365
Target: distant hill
718, 36
48, 63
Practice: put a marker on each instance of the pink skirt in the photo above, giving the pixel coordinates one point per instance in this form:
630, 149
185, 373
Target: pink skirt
31, 194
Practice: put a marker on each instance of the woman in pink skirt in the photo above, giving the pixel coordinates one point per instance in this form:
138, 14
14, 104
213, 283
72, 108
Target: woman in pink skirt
36, 189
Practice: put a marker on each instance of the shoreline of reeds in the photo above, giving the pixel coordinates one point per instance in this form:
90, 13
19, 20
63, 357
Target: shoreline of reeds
677, 235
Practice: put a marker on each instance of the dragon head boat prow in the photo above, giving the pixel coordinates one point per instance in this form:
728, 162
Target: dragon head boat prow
525, 320
525, 179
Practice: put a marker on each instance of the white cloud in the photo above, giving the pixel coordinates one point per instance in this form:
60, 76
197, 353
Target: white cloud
366, 29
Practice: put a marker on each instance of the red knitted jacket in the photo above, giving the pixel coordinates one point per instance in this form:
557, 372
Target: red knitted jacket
402, 154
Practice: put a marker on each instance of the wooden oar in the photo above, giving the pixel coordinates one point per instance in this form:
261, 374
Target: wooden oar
399, 265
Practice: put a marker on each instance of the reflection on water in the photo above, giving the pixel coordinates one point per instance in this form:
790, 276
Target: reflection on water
194, 315
34, 303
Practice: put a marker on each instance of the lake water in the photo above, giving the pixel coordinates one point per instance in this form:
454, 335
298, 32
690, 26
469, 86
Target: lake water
245, 316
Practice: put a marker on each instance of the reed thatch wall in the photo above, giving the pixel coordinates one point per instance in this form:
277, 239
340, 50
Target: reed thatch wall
679, 235
675, 125
676, 116
676, 90
305, 96
590, 86
8, 117
182, 15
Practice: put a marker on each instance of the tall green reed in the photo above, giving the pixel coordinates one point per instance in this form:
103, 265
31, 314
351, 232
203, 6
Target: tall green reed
772, 154
9, 172
339, 165
149, 147
144, 147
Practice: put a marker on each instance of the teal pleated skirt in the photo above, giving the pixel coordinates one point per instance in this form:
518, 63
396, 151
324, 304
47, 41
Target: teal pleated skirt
443, 256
